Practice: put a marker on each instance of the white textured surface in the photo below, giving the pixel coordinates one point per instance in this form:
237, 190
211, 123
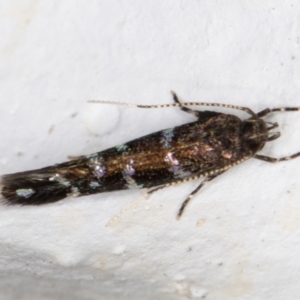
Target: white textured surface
238, 239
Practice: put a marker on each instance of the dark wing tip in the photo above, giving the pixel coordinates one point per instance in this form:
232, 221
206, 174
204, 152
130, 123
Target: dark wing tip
25, 190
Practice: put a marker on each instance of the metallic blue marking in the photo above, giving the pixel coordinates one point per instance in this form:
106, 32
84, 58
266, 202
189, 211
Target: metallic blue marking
166, 138
121, 148
25, 192
94, 184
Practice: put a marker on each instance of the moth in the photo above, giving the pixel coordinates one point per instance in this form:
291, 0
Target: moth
206, 148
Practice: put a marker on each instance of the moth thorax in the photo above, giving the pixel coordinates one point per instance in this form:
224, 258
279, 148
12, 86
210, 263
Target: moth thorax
255, 133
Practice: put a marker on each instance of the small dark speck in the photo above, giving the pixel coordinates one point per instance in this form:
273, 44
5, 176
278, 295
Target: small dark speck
74, 115
293, 57
220, 264
20, 153
190, 249
50, 130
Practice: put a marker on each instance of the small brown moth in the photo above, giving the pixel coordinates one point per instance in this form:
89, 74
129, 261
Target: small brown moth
205, 148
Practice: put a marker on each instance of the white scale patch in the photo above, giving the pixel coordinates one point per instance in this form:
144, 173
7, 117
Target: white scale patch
25, 192
96, 164
60, 179
176, 168
128, 172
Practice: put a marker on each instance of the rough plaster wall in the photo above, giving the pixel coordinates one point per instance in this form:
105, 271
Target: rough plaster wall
238, 239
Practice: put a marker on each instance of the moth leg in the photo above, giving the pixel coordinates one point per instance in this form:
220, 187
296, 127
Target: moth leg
184, 108
157, 188
275, 160
273, 125
273, 137
197, 113
191, 195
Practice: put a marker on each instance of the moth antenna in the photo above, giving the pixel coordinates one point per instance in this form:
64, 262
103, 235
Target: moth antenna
112, 103
177, 104
267, 111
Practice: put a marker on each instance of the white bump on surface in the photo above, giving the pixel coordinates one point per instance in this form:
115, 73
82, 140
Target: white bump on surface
119, 250
100, 119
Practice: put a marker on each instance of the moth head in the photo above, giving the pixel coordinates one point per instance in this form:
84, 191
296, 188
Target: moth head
255, 133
